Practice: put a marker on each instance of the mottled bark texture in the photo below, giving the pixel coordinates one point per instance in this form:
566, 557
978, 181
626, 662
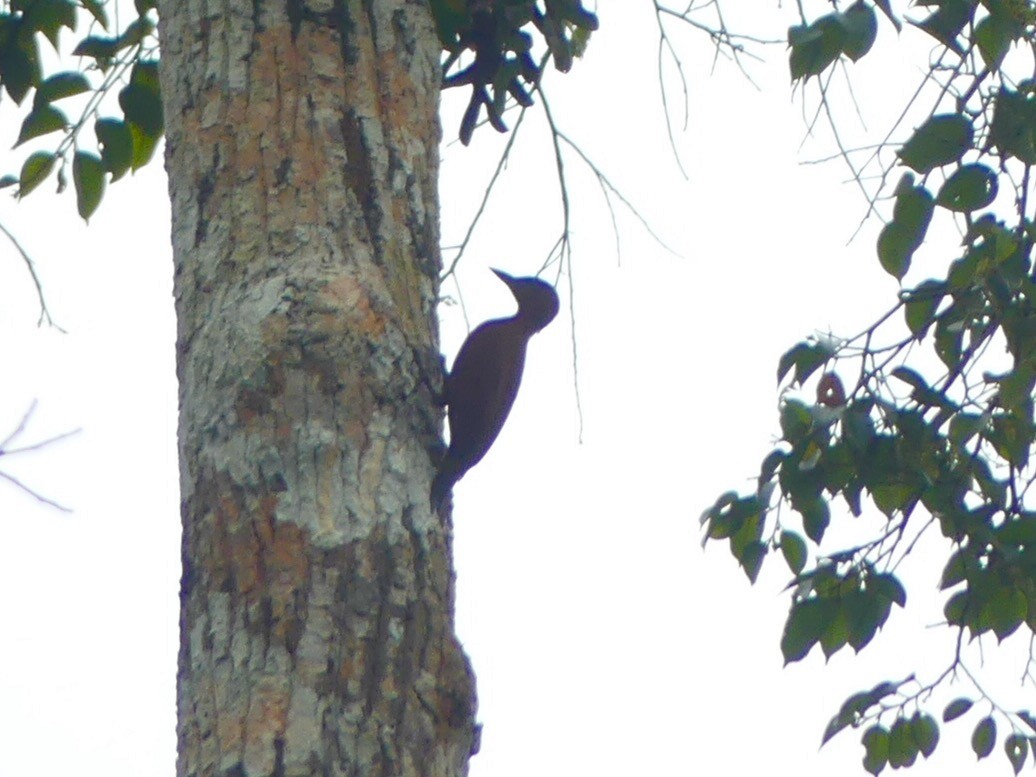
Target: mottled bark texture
317, 596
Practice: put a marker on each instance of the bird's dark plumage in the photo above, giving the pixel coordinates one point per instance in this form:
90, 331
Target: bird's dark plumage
483, 383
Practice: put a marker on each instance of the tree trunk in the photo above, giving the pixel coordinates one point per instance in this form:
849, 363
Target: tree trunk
317, 594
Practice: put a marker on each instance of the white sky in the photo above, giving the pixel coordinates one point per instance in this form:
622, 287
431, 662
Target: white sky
606, 642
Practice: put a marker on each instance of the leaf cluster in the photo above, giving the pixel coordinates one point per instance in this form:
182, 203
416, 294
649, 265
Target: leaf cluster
498, 34
123, 61
941, 443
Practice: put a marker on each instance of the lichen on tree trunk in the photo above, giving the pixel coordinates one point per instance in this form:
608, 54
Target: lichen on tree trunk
317, 596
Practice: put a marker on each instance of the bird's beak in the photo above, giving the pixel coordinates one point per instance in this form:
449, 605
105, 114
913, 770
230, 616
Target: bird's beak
508, 279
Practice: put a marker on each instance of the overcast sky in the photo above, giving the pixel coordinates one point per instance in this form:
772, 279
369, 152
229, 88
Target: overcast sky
605, 640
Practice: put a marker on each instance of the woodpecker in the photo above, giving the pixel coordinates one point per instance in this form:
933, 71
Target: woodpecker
481, 387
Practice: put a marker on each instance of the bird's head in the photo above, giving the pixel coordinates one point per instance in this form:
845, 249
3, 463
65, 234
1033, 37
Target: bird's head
537, 301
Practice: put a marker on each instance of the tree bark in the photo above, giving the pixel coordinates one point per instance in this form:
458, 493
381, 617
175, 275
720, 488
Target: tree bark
317, 595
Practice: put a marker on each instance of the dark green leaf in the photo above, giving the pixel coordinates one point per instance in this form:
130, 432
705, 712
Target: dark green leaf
947, 22
805, 624
956, 569
876, 749
794, 550
796, 421
49, 16
62, 85
948, 337
136, 32
1016, 747
8, 180
1005, 612
770, 464
955, 709
815, 47
143, 107
889, 587
939, 141
868, 612
816, 516
41, 120
993, 35
984, 737
34, 171
926, 733
116, 144
96, 9
20, 66
913, 209
921, 304
1013, 129
902, 747
805, 358
751, 559
97, 47
964, 426
896, 246
88, 175
970, 188
144, 145
861, 28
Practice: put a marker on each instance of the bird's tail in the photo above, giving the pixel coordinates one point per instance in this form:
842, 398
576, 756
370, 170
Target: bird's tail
448, 474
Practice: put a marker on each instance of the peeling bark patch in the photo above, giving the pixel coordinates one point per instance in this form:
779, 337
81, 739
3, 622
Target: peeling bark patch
359, 176
282, 172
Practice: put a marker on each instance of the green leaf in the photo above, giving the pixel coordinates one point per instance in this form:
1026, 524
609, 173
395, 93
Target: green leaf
97, 47
1005, 611
806, 358
49, 16
20, 65
896, 246
888, 586
876, 749
88, 175
136, 32
144, 145
955, 709
8, 180
796, 421
1016, 747
62, 85
816, 516
815, 47
751, 559
41, 120
861, 28
993, 35
926, 733
956, 569
921, 304
34, 171
96, 9
793, 547
902, 747
141, 102
964, 426
116, 144
939, 141
984, 737
913, 208
970, 188
1013, 129
947, 22
802, 630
